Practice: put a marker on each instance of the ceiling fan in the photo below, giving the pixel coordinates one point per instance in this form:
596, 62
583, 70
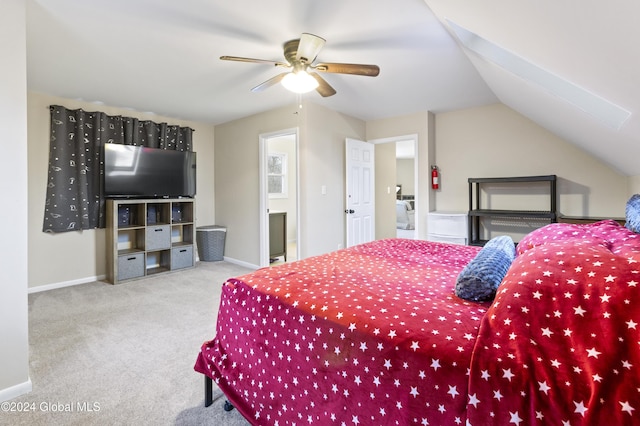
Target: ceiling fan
302, 75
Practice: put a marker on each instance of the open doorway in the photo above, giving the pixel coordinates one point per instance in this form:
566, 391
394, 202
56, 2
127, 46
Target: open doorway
279, 240
405, 189
397, 187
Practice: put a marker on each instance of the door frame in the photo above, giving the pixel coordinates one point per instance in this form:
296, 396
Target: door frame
264, 196
411, 137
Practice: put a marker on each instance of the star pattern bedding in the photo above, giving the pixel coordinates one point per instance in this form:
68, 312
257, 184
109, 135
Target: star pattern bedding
372, 334
375, 335
560, 343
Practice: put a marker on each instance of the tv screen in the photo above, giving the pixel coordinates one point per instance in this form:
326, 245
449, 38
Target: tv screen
136, 171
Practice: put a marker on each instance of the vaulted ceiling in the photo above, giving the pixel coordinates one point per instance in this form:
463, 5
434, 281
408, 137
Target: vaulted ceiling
571, 66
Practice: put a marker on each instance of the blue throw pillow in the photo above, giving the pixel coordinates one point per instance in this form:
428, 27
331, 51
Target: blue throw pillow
479, 280
632, 213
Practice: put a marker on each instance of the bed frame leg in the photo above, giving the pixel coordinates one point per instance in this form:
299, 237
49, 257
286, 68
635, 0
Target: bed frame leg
208, 391
208, 395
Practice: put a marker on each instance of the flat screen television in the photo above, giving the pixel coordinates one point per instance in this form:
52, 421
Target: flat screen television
141, 172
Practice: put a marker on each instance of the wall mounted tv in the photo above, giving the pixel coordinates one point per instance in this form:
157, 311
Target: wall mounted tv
141, 172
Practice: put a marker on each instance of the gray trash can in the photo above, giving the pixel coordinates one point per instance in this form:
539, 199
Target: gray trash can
210, 241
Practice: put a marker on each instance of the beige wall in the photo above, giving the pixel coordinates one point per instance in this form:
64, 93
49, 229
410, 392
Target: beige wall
237, 179
405, 174
76, 257
494, 141
634, 185
497, 141
386, 179
322, 163
14, 334
321, 154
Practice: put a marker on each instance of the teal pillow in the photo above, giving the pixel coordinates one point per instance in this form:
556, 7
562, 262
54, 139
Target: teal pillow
479, 280
632, 213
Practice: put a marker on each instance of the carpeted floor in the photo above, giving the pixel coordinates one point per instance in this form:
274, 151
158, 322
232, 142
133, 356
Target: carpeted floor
406, 233
124, 355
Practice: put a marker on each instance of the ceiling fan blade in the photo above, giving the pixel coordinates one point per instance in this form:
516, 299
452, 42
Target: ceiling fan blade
356, 69
323, 88
259, 61
309, 47
271, 82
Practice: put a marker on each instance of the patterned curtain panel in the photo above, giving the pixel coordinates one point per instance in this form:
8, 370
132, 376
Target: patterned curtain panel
74, 198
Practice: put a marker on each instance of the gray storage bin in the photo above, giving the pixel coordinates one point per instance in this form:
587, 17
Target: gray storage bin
181, 257
158, 237
210, 240
130, 266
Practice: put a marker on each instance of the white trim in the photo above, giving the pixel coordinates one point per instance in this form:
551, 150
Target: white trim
264, 203
62, 284
241, 263
412, 136
53, 286
15, 391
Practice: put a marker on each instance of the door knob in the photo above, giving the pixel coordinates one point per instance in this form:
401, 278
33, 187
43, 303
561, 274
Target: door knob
349, 211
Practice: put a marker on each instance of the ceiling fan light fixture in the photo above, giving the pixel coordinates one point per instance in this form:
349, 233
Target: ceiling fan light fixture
300, 55
299, 82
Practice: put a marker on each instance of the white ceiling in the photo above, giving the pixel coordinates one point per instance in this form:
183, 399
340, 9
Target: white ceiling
161, 56
405, 150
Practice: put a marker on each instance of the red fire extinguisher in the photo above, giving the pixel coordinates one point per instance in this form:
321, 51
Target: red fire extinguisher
434, 177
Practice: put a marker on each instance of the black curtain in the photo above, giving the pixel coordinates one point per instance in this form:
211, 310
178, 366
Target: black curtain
74, 198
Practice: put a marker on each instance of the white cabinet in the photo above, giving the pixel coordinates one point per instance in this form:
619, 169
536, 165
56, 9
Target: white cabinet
447, 227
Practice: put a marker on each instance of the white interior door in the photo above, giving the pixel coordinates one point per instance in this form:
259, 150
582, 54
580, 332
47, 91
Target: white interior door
360, 203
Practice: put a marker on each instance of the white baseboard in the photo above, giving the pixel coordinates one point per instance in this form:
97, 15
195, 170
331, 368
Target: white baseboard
240, 263
62, 284
15, 391
79, 281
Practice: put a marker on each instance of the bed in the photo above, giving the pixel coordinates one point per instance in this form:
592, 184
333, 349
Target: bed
376, 334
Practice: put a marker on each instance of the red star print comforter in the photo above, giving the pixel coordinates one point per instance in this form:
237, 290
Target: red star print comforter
560, 343
370, 335
375, 335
